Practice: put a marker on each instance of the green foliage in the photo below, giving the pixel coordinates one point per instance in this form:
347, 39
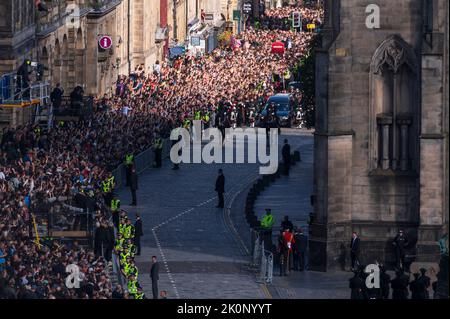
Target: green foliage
308, 85
225, 38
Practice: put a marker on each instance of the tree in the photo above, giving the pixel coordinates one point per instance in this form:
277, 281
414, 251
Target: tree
308, 83
225, 38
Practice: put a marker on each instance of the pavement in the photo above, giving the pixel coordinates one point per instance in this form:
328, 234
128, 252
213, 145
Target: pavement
290, 196
203, 251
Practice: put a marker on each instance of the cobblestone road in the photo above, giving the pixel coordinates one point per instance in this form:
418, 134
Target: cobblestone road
199, 253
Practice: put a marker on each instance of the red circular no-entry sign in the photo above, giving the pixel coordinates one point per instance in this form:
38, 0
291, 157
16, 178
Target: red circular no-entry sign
278, 47
105, 42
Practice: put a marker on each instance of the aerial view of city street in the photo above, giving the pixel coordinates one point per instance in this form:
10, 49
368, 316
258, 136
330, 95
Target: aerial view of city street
247, 151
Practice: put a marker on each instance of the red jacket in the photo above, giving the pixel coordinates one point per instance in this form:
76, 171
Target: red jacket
289, 239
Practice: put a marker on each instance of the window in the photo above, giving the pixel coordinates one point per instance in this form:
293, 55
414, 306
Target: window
394, 109
428, 8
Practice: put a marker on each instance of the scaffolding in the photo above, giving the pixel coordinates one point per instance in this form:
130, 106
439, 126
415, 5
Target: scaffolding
21, 104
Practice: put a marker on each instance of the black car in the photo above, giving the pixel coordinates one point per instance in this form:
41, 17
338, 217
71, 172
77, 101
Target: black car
284, 109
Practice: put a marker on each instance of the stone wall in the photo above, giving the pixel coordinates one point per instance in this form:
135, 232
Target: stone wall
351, 192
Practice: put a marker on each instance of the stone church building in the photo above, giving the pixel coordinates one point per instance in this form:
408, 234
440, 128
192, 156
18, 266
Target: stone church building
381, 141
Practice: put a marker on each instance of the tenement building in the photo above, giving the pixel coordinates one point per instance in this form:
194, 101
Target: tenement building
381, 141
65, 39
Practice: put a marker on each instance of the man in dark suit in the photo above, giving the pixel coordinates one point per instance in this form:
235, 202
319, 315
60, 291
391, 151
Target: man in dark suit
286, 153
133, 185
220, 188
56, 96
154, 274
301, 244
354, 250
357, 286
138, 234
400, 243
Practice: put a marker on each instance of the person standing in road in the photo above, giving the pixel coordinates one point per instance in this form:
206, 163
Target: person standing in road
220, 188
129, 162
267, 223
176, 166
138, 233
289, 241
157, 149
133, 186
354, 250
286, 153
282, 250
301, 244
154, 275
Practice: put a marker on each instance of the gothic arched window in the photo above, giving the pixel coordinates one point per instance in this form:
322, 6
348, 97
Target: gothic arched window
394, 107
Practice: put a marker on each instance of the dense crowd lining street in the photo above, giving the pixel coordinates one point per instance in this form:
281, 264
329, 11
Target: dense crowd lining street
77, 157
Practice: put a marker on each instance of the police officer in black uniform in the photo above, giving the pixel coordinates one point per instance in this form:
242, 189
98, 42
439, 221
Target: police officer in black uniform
357, 286
133, 185
400, 243
286, 153
138, 233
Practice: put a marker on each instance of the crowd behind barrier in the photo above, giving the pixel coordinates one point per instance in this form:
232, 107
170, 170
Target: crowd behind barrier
76, 159
142, 161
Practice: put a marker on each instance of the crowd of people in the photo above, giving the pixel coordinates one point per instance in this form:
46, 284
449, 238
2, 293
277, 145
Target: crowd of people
37, 167
403, 286
244, 75
74, 159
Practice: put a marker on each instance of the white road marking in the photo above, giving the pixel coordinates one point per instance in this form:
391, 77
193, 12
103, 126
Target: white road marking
156, 228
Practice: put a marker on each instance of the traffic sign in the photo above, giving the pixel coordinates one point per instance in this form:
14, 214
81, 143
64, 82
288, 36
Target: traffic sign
209, 16
247, 8
105, 42
236, 15
311, 26
278, 47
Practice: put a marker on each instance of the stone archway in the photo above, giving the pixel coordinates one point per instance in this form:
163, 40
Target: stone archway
56, 69
79, 60
44, 60
65, 64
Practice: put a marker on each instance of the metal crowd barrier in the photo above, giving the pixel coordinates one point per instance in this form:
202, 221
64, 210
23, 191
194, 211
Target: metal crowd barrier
262, 259
256, 248
142, 161
266, 266
116, 265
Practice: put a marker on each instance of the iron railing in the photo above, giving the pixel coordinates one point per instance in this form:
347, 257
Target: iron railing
262, 259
